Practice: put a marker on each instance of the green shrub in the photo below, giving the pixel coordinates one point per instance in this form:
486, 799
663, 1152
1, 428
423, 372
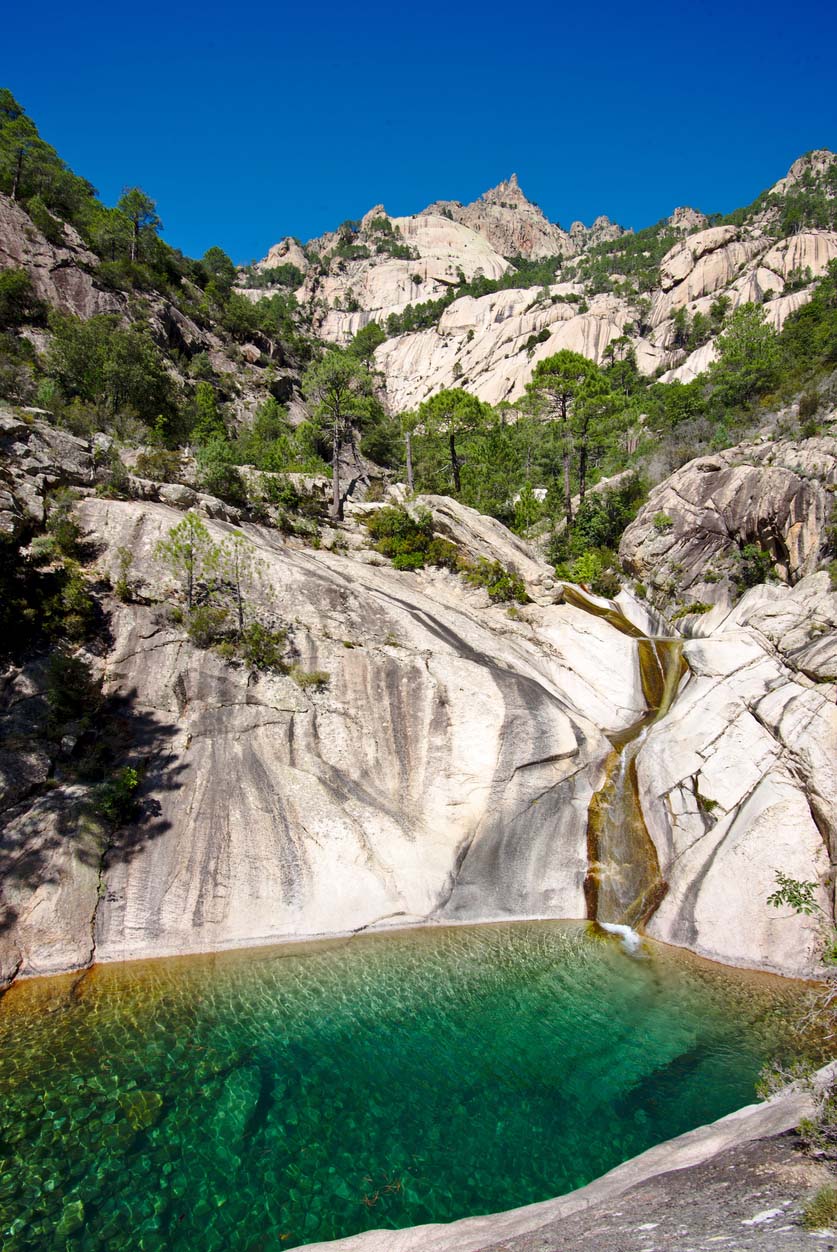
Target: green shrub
821, 1211
261, 648
316, 678
755, 566
206, 624
592, 569
114, 485
687, 610
122, 588
408, 561
159, 465
218, 475
444, 554
62, 527
116, 799
600, 521
501, 584
662, 522
73, 695
809, 403
70, 612
280, 491
18, 302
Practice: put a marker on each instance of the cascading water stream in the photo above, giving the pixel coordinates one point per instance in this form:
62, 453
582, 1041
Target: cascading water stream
624, 884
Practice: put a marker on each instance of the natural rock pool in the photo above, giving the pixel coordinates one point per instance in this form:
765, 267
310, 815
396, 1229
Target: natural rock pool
263, 1099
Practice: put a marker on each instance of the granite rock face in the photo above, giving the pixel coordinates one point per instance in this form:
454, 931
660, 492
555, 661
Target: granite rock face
511, 223
776, 496
490, 344
442, 770
739, 779
62, 273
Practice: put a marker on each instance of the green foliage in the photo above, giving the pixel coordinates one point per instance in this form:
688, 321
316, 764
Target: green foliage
217, 473
141, 212
219, 268
409, 540
73, 695
367, 339
593, 568
71, 612
662, 522
61, 525
287, 275
160, 465
261, 648
124, 561
272, 444
423, 316
281, 491
755, 566
794, 894
316, 678
207, 624
116, 799
808, 340
628, 265
449, 414
695, 609
541, 337
501, 584
207, 423
527, 510
809, 403
404, 537
190, 555
114, 368
18, 302
340, 389
600, 521
821, 1211
748, 357
408, 560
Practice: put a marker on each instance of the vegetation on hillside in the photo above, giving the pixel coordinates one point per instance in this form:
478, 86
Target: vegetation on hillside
531, 464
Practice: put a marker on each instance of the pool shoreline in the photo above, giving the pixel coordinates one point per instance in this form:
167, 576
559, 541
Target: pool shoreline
380, 927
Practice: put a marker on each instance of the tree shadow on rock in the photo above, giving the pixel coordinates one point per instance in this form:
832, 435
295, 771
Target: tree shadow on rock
75, 744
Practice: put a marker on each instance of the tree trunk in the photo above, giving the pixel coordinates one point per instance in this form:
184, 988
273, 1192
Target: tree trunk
336, 501
134, 237
568, 499
582, 472
408, 440
16, 179
457, 483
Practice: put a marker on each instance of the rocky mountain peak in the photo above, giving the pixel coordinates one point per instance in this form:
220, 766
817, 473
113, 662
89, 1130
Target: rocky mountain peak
507, 193
816, 164
686, 219
376, 211
602, 229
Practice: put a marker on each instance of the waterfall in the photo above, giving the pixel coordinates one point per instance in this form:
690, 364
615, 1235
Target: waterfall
624, 884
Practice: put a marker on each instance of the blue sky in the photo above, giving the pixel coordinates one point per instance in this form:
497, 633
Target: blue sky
250, 122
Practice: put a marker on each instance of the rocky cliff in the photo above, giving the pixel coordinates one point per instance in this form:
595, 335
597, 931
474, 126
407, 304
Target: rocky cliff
441, 768
491, 343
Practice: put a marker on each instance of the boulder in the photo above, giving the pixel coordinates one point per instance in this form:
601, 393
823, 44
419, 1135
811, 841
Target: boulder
773, 495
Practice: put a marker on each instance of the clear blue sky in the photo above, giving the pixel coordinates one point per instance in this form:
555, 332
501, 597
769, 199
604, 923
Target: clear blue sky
248, 122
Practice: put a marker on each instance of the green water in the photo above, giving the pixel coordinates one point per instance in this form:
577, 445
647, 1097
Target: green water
260, 1100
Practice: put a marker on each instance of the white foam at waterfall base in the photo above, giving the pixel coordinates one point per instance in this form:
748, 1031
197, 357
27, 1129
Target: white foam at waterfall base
630, 939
